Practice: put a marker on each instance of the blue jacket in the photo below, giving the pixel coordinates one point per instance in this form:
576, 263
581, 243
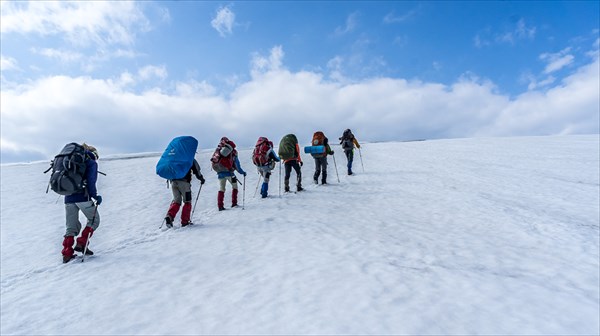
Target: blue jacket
236, 166
91, 176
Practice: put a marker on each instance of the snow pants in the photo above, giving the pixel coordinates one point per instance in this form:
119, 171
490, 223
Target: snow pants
350, 156
182, 192
265, 172
320, 167
90, 212
288, 172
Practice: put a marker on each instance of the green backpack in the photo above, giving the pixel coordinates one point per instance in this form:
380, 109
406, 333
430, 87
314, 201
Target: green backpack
287, 147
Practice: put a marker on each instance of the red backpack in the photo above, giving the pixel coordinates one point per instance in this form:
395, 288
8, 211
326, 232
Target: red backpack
222, 163
260, 155
319, 139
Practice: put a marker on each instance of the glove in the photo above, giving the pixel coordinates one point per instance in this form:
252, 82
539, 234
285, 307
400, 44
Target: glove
98, 199
357, 146
331, 152
244, 173
301, 163
202, 180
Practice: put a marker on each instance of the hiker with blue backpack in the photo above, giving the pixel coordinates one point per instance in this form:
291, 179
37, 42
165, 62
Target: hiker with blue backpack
74, 175
319, 139
264, 158
177, 164
225, 162
348, 141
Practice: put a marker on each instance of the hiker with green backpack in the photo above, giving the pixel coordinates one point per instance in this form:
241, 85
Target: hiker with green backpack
289, 152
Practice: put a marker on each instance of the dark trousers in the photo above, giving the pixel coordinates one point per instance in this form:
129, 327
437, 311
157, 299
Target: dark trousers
288, 171
320, 167
350, 156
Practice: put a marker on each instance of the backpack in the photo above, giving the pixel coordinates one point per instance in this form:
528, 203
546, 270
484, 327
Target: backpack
346, 140
260, 155
221, 163
68, 170
287, 147
319, 139
178, 158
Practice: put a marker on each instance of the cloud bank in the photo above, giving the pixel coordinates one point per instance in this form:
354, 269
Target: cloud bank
38, 118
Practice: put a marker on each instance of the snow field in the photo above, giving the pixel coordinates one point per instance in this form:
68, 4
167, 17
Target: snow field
466, 236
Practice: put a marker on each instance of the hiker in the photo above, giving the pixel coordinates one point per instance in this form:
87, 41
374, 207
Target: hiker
348, 141
264, 157
289, 152
225, 162
176, 165
319, 139
83, 201
182, 191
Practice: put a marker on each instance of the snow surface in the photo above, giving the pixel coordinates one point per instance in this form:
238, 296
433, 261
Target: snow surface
467, 236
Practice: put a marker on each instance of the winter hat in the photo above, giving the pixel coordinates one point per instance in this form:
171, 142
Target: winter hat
91, 149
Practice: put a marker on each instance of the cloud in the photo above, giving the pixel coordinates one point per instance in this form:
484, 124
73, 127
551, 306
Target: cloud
557, 60
152, 71
391, 17
520, 31
81, 23
224, 21
63, 56
351, 23
8, 63
42, 115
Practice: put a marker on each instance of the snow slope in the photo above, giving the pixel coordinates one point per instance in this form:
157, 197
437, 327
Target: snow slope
467, 236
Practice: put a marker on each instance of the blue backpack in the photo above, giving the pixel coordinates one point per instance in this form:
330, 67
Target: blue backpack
178, 158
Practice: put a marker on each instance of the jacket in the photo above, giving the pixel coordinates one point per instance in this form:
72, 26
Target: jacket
91, 176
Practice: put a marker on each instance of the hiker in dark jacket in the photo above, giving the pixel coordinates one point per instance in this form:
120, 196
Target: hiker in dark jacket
182, 191
82, 201
348, 141
319, 139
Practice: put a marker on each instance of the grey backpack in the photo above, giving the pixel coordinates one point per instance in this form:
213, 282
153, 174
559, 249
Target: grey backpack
68, 170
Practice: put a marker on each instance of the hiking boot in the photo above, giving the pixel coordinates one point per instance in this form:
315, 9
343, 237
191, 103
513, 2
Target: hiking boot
287, 189
80, 248
186, 224
67, 258
169, 222
299, 188
234, 205
222, 208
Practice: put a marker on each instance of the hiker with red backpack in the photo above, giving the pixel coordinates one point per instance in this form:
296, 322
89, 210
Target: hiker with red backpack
348, 141
79, 196
319, 139
289, 152
264, 157
225, 162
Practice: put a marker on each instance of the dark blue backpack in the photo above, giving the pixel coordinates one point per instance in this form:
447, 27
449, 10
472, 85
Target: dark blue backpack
178, 158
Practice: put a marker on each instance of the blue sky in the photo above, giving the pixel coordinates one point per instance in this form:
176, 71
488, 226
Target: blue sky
389, 70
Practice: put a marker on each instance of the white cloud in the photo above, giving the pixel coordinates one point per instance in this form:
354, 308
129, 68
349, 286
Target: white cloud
520, 32
152, 71
63, 56
80, 22
224, 21
8, 63
276, 101
351, 23
557, 60
393, 18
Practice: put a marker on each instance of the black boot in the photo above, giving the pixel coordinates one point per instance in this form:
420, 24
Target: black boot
80, 248
66, 259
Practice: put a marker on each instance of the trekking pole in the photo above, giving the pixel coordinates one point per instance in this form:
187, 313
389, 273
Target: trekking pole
361, 162
257, 183
196, 202
244, 193
87, 240
336, 171
279, 178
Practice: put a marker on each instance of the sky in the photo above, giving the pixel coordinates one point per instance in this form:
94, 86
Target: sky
129, 76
